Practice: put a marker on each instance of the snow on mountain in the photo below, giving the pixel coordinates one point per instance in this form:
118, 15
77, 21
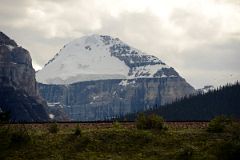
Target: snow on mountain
98, 57
206, 89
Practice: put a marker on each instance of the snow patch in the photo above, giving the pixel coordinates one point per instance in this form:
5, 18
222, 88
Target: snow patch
146, 71
163, 76
51, 116
126, 83
10, 47
95, 97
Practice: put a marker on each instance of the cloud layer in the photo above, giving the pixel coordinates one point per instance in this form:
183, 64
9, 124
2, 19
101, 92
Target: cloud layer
200, 39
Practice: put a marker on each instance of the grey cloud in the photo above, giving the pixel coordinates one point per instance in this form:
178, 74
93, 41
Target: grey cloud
190, 41
142, 30
234, 2
195, 25
41, 49
12, 12
222, 56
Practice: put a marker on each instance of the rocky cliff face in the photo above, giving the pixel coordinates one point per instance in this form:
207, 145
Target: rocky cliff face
18, 89
102, 99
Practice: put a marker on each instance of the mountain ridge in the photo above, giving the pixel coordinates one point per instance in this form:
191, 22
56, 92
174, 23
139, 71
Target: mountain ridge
99, 57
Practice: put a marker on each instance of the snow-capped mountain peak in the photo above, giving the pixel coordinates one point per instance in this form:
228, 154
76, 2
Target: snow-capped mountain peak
98, 57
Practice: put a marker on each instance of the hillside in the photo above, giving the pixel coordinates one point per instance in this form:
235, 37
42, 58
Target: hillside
222, 101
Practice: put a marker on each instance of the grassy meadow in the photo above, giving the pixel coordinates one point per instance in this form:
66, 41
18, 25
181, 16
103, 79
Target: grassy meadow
115, 141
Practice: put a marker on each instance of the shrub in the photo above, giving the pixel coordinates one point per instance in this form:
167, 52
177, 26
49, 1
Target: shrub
219, 124
116, 125
141, 121
154, 122
227, 150
149, 122
234, 130
81, 143
184, 153
4, 117
19, 138
53, 128
77, 130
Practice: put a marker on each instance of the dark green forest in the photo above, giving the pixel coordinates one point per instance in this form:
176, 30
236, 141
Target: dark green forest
224, 100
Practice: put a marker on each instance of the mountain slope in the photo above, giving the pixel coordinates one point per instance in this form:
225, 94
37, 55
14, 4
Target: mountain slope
98, 57
18, 88
204, 106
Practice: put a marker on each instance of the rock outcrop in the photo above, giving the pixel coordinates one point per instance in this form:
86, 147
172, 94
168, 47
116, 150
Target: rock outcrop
103, 99
18, 89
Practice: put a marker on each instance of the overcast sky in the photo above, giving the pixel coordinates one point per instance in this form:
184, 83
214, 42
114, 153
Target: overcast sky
199, 38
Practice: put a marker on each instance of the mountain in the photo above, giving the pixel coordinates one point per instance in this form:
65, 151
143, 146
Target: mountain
18, 88
98, 57
96, 77
206, 89
203, 106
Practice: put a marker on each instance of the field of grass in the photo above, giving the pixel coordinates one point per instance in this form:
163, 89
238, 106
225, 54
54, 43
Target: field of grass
183, 141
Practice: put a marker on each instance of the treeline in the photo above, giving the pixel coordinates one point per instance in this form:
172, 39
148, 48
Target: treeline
221, 101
